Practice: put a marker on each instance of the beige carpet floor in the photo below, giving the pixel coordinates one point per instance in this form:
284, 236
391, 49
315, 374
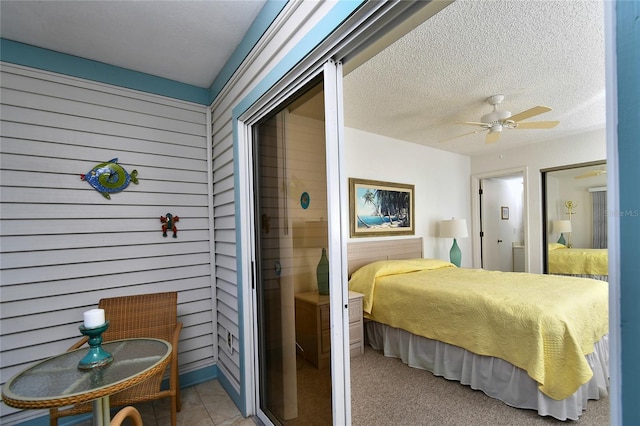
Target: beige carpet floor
385, 391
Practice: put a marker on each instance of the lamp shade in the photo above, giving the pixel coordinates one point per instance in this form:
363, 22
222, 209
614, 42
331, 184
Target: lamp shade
561, 226
454, 228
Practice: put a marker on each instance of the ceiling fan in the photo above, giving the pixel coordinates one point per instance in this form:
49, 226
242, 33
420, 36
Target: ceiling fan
592, 173
496, 120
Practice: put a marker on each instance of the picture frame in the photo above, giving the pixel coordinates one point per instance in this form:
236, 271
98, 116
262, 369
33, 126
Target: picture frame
504, 213
378, 208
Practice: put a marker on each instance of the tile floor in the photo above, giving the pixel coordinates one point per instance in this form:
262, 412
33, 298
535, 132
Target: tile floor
206, 404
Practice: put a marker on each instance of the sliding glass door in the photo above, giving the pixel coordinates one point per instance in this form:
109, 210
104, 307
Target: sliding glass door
290, 199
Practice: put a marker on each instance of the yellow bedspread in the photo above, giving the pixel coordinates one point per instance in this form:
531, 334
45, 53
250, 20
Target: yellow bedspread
542, 324
564, 260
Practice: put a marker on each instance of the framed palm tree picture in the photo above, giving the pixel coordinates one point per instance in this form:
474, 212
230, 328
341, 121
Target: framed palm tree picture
379, 208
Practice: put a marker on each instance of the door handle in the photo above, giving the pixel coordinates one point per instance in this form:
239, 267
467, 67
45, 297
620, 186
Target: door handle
499, 241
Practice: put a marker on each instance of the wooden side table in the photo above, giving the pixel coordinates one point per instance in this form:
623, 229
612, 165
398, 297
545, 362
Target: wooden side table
356, 324
313, 327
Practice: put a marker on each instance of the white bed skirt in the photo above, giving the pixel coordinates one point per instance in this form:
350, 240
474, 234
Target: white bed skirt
594, 277
495, 377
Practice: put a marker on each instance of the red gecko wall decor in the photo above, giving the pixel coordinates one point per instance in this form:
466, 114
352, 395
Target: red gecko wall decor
169, 222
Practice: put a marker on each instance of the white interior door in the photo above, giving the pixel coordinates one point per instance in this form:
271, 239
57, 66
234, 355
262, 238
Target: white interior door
501, 221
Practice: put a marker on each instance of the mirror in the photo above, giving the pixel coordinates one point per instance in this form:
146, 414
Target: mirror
575, 220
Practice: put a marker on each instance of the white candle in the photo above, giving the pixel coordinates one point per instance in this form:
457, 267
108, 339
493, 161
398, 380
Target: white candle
94, 318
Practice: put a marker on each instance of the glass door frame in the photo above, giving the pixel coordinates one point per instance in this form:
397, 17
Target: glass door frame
338, 234
366, 31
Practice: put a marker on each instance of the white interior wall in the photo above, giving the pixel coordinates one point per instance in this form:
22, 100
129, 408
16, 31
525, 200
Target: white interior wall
441, 179
582, 148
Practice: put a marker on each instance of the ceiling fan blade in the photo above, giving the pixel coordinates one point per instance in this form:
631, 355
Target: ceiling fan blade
536, 125
474, 123
591, 174
537, 110
492, 137
459, 136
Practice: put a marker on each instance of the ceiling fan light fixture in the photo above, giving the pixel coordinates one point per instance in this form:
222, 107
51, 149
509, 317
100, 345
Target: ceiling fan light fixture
496, 121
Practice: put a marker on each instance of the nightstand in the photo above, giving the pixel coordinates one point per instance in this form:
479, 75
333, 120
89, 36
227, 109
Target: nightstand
313, 326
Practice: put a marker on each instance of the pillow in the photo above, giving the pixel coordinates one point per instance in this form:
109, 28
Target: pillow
556, 246
364, 279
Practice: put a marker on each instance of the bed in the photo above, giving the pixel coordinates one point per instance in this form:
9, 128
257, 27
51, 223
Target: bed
524, 347
578, 262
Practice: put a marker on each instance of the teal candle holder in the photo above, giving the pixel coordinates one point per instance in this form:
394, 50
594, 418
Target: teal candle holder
96, 357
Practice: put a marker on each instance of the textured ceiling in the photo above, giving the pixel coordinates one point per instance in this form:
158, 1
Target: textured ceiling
547, 53
185, 41
534, 52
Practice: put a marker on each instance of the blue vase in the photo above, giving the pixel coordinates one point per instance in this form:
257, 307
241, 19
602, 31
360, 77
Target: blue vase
454, 254
322, 273
561, 240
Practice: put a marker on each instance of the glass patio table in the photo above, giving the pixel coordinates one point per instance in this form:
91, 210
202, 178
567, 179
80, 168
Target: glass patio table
57, 381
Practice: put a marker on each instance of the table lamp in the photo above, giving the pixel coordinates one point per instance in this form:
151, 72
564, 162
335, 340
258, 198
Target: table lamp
562, 226
454, 228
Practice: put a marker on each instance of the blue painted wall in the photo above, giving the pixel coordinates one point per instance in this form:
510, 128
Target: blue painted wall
628, 63
266, 16
61, 63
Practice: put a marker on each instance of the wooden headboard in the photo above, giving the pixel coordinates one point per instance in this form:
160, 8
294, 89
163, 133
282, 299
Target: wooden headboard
359, 253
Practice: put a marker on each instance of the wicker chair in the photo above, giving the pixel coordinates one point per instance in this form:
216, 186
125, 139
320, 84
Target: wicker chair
146, 315
127, 412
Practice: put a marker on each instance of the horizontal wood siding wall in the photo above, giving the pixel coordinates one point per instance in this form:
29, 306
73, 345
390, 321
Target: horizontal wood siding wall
297, 18
64, 246
225, 258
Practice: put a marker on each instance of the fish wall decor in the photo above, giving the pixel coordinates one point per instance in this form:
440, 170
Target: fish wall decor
109, 177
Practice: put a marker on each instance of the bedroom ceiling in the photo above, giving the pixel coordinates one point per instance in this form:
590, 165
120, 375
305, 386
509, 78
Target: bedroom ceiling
535, 53
546, 53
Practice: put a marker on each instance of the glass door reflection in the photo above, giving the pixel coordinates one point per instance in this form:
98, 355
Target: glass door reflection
575, 220
291, 235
